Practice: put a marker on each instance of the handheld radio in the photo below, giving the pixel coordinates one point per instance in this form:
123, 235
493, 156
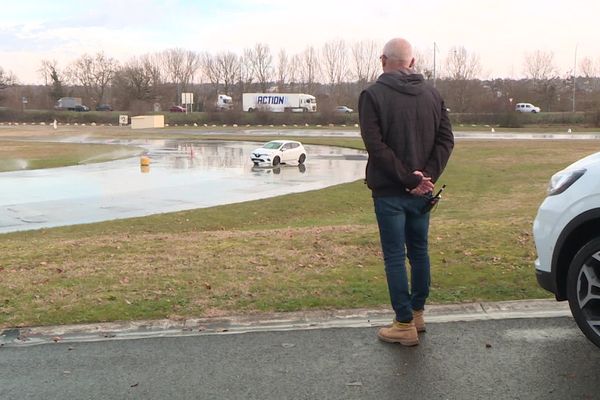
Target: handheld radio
432, 201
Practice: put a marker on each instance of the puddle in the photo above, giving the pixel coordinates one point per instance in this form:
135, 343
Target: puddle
181, 175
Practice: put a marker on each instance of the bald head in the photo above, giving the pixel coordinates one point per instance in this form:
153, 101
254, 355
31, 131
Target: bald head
397, 54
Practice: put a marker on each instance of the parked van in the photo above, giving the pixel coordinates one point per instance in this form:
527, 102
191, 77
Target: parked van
527, 107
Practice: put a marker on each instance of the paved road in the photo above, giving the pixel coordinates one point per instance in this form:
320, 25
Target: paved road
542, 358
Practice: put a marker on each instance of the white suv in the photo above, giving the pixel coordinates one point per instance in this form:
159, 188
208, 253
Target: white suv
567, 239
527, 107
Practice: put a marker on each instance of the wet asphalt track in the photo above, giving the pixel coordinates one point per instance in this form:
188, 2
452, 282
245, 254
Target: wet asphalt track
545, 358
183, 175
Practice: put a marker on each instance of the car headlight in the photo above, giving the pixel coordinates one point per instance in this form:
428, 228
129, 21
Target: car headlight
562, 180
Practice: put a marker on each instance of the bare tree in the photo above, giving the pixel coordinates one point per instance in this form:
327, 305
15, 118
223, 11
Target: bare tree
424, 63
295, 71
462, 69
211, 70
246, 81
309, 68
365, 61
94, 73
152, 67
7, 78
539, 65
139, 83
460, 65
45, 70
180, 66
591, 70
335, 62
228, 65
135, 80
588, 68
260, 61
53, 77
283, 69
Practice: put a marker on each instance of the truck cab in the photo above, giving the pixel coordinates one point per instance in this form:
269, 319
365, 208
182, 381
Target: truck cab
224, 103
308, 103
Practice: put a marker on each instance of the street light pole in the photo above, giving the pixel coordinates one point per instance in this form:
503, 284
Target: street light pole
574, 77
434, 45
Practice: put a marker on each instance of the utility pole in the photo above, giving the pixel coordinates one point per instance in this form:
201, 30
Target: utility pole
434, 46
574, 77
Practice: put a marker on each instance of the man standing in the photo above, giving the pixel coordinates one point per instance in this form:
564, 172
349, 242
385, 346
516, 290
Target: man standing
405, 127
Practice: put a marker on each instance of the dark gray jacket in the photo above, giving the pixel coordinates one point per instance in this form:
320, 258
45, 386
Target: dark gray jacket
405, 127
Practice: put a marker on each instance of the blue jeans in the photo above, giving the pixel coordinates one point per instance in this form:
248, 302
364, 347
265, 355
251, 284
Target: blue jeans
403, 231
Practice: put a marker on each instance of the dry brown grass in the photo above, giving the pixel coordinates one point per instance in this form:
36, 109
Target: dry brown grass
200, 273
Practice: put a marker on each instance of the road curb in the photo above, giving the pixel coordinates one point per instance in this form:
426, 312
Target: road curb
272, 322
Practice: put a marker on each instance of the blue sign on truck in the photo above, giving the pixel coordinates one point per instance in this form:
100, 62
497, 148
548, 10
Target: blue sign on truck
279, 102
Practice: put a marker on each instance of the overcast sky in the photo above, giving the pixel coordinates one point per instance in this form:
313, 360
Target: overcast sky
500, 32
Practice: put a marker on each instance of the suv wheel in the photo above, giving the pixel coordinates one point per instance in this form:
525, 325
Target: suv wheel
583, 289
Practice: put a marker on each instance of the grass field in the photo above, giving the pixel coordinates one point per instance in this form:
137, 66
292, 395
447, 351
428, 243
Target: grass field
312, 250
18, 155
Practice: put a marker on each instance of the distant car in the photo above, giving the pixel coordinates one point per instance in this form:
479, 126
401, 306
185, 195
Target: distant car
567, 240
103, 107
177, 109
279, 152
527, 108
81, 108
343, 110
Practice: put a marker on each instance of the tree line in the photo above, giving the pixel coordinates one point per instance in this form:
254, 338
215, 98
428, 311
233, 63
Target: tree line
335, 73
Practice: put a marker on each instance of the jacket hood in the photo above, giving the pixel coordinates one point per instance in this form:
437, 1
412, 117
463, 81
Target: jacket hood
411, 84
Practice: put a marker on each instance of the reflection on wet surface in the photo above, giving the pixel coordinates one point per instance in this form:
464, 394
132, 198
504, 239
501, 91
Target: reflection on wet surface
181, 175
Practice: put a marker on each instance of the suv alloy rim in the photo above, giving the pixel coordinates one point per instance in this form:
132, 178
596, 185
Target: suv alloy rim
588, 291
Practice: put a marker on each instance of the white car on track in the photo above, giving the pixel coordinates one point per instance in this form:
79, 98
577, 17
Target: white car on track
279, 152
566, 231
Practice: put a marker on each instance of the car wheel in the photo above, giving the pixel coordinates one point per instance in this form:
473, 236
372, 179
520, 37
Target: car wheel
533, 111
276, 161
302, 158
583, 289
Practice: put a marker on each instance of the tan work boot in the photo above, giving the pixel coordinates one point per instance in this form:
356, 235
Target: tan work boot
403, 333
419, 320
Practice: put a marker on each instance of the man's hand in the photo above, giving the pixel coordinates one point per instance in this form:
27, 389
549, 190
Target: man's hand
426, 186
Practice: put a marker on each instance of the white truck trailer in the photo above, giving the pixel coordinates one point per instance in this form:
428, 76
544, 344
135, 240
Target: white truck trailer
279, 102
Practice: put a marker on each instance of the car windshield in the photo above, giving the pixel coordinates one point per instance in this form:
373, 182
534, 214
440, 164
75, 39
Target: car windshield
272, 145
